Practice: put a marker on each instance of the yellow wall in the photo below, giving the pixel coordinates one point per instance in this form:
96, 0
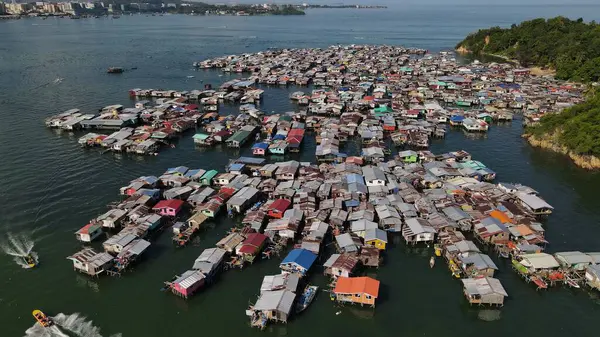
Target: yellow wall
377, 244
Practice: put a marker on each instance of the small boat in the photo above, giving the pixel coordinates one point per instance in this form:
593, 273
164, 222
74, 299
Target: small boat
41, 318
115, 70
30, 261
432, 262
572, 282
438, 250
306, 298
541, 284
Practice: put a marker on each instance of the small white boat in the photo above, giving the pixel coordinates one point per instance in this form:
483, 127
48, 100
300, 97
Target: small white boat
432, 262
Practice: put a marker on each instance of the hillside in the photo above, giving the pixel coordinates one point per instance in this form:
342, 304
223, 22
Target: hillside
575, 131
571, 47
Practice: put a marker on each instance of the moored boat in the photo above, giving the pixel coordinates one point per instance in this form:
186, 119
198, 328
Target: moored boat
41, 318
306, 298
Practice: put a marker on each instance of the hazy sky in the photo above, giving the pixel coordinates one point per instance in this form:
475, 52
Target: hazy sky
426, 2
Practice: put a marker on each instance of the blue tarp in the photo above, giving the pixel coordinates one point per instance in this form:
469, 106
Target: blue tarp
263, 146
457, 118
301, 257
278, 137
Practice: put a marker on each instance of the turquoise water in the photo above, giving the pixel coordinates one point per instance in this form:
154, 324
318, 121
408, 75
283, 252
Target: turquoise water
51, 187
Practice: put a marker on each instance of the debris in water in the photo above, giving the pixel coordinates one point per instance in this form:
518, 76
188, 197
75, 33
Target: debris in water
339, 312
20, 247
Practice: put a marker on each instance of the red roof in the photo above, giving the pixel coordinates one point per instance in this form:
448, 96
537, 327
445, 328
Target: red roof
85, 229
171, 203
296, 132
252, 243
280, 205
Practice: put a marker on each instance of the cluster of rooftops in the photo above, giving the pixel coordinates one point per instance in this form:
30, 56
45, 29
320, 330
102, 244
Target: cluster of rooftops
422, 198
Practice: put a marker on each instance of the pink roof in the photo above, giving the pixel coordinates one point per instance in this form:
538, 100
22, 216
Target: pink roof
175, 204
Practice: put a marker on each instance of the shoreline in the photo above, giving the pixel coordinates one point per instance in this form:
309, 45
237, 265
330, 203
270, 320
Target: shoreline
587, 162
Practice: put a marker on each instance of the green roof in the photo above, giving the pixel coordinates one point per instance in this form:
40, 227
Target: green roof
201, 136
239, 136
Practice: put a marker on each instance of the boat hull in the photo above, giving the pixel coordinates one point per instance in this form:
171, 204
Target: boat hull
41, 318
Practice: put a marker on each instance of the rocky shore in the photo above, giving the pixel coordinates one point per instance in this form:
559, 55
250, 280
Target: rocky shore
550, 143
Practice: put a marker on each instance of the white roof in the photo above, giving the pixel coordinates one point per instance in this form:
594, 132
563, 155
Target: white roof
483, 286
279, 300
189, 278
539, 261
533, 201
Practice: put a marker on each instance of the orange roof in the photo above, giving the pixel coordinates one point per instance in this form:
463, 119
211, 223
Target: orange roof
499, 215
355, 285
524, 230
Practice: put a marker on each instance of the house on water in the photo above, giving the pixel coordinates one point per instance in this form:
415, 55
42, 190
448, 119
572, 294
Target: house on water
341, 265
207, 178
90, 262
278, 208
187, 284
89, 232
376, 237
170, 207
360, 290
273, 306
210, 262
252, 246
243, 199
298, 261
280, 281
484, 290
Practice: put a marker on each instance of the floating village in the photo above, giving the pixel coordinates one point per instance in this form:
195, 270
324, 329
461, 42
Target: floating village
375, 93
338, 213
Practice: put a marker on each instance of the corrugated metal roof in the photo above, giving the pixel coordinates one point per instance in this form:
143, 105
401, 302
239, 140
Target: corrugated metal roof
189, 278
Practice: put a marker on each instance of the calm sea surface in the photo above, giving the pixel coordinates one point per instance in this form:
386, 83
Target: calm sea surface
50, 187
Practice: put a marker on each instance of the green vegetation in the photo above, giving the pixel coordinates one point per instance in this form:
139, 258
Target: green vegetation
287, 10
577, 128
572, 48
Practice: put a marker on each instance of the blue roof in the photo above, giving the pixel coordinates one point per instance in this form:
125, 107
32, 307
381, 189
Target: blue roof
302, 257
150, 179
352, 203
178, 169
149, 192
263, 146
250, 160
457, 118
191, 173
277, 137
355, 178
236, 167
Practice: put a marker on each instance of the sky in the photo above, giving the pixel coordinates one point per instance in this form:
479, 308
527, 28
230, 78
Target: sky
396, 3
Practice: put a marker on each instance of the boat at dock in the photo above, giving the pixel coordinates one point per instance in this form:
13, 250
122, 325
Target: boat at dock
306, 298
41, 318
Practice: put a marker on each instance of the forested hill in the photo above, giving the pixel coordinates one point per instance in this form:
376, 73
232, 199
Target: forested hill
572, 48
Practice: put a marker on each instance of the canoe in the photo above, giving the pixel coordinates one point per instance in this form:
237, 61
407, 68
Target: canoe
41, 318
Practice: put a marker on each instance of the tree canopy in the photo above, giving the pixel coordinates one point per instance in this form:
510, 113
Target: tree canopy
577, 128
571, 47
